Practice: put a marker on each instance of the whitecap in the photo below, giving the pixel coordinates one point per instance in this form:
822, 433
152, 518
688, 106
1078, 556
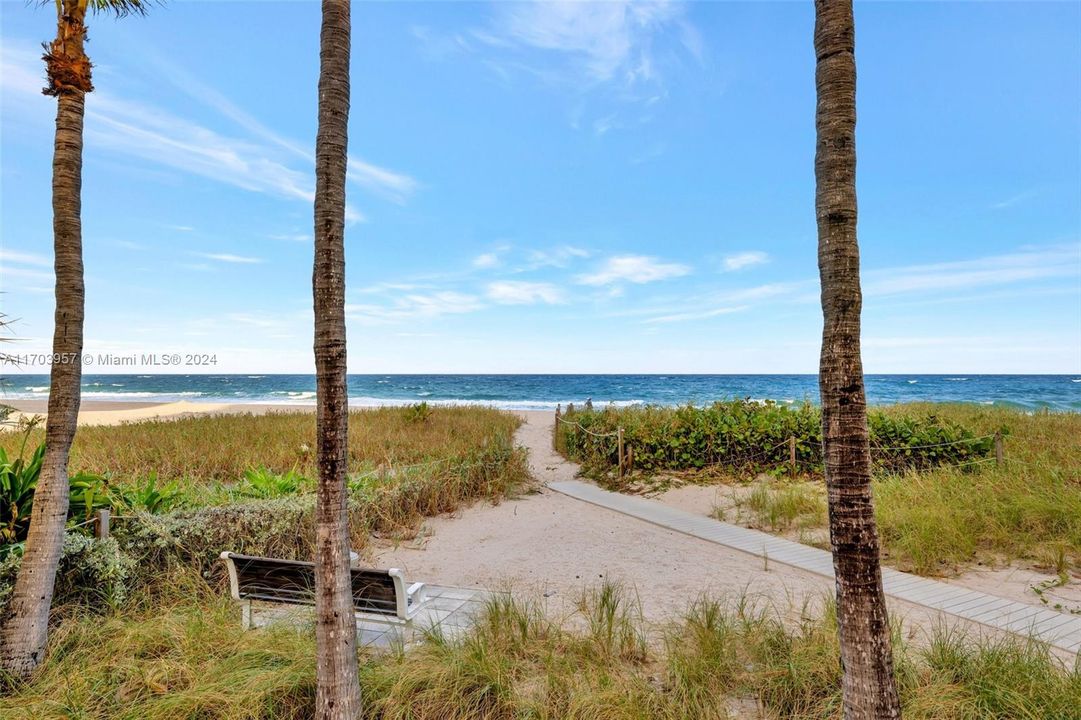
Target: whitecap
913, 382
38, 388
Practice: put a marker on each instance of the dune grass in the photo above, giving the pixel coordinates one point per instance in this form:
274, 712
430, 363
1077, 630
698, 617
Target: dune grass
420, 462
935, 520
209, 448
190, 659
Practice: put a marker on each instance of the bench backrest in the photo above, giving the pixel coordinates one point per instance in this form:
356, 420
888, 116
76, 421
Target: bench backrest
293, 581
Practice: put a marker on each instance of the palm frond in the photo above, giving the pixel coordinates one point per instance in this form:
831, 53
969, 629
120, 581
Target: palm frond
120, 8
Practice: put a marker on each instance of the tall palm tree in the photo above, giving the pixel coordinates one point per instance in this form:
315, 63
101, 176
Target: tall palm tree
868, 684
25, 628
337, 685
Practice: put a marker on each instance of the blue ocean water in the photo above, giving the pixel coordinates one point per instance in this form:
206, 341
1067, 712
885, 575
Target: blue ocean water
537, 392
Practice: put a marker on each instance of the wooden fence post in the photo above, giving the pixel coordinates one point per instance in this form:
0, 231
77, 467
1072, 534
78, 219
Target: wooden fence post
792, 454
619, 436
998, 447
101, 526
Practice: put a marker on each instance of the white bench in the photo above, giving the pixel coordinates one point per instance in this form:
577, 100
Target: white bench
378, 595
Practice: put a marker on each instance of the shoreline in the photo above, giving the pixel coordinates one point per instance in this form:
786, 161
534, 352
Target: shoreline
108, 412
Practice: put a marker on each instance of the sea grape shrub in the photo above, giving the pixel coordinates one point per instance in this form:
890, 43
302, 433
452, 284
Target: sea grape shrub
921, 443
745, 437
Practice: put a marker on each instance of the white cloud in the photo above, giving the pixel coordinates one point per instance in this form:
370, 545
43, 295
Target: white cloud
292, 237
741, 260
486, 260
260, 161
9, 272
393, 185
513, 292
1033, 264
24, 258
633, 268
556, 257
696, 315
414, 306
229, 258
605, 40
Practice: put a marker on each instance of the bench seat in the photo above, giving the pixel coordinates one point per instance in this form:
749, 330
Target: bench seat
377, 594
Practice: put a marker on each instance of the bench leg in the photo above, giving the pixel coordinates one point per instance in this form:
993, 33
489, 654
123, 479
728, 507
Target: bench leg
245, 615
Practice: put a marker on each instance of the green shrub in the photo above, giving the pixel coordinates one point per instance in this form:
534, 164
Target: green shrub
91, 573
748, 437
265, 483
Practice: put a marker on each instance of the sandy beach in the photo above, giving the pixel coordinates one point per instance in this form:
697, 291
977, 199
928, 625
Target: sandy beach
103, 412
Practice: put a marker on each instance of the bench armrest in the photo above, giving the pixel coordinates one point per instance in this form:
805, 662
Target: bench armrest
415, 594
234, 584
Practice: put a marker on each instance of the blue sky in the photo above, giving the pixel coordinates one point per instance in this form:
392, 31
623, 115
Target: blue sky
545, 187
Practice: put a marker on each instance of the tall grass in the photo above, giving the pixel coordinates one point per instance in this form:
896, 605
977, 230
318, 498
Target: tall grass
458, 455
719, 660
934, 519
207, 448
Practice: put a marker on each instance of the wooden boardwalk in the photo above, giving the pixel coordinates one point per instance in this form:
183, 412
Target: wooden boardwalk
1058, 629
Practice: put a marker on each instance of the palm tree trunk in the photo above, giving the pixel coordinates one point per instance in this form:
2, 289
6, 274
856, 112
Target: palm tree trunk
25, 627
868, 684
338, 688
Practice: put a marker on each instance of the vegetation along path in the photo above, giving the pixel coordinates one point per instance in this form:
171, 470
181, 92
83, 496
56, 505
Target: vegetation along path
1060, 630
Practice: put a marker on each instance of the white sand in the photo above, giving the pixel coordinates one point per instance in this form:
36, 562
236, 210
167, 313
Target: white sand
552, 548
115, 413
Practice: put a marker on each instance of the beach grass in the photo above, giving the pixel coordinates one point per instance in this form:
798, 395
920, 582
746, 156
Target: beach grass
409, 464
719, 659
934, 520
204, 449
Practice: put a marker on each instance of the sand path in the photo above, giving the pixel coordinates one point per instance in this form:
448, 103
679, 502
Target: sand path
552, 547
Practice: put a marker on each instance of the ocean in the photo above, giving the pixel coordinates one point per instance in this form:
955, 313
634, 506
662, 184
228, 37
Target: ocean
543, 392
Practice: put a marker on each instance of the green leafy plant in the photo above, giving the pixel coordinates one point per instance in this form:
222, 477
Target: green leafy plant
88, 492
148, 497
417, 413
264, 483
18, 479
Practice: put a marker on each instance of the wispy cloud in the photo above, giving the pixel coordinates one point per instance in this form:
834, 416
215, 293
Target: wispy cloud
414, 306
738, 261
637, 269
260, 160
229, 258
1015, 199
24, 258
292, 237
558, 257
1033, 264
695, 315
602, 41
512, 292
486, 261
388, 183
